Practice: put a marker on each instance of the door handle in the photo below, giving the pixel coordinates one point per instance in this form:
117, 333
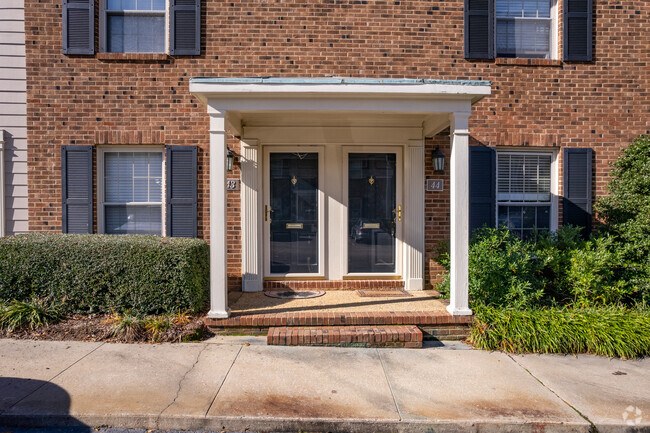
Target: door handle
267, 210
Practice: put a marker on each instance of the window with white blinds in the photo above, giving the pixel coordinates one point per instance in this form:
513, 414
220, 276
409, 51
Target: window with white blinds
524, 28
524, 196
132, 196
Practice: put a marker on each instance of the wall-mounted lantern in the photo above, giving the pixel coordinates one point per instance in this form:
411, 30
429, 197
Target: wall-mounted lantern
438, 160
230, 158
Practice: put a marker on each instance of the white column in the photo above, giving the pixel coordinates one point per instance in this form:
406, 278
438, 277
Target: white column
414, 215
459, 214
218, 274
251, 195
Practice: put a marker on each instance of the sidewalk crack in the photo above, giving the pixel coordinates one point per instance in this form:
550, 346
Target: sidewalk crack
180, 383
390, 387
223, 381
592, 429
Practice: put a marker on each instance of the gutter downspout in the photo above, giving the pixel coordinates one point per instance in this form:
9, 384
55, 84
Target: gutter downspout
2, 182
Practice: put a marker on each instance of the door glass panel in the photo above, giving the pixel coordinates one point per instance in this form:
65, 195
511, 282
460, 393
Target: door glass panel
372, 212
294, 215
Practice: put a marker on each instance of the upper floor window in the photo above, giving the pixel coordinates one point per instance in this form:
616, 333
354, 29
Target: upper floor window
524, 28
528, 29
135, 26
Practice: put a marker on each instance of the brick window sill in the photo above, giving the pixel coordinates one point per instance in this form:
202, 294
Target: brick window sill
527, 62
133, 57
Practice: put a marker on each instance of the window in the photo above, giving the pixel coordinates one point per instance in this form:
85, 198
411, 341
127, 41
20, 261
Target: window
135, 26
132, 187
524, 198
524, 28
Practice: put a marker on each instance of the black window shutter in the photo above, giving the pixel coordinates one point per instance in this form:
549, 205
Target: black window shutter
479, 29
77, 189
181, 191
78, 27
577, 189
482, 187
185, 28
577, 30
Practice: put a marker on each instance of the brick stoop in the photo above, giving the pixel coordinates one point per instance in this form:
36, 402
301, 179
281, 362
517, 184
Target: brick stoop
346, 336
435, 324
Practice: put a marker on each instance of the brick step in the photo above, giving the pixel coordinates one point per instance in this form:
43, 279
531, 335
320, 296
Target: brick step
346, 336
306, 318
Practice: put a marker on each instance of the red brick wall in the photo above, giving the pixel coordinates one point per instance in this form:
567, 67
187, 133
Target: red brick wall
84, 99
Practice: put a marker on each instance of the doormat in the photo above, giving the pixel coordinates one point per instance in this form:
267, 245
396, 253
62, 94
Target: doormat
290, 294
381, 293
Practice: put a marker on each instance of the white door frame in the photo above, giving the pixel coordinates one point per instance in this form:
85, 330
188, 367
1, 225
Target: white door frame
322, 223
399, 197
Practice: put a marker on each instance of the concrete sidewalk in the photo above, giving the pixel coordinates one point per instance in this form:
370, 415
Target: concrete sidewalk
235, 384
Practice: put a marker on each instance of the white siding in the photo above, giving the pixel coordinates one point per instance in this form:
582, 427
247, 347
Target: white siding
12, 113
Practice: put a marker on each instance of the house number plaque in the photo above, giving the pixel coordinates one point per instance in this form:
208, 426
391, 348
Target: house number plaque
435, 185
232, 184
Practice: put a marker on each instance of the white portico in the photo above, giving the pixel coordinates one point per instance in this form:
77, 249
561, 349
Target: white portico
347, 156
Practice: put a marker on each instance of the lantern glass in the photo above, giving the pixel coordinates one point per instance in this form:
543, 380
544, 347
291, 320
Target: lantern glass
230, 157
438, 160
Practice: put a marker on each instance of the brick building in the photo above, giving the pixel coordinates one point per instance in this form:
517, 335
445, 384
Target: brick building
134, 107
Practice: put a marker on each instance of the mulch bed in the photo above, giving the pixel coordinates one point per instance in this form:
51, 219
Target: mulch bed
98, 327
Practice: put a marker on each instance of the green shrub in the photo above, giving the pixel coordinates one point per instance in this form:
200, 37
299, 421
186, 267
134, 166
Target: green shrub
626, 211
503, 270
548, 269
100, 273
596, 274
612, 332
31, 314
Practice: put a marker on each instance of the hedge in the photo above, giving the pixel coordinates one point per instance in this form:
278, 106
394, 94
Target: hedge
100, 273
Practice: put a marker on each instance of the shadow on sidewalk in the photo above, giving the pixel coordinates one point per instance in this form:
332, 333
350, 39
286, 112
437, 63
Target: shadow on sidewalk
31, 403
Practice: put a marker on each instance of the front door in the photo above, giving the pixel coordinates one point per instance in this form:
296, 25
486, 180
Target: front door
373, 213
292, 214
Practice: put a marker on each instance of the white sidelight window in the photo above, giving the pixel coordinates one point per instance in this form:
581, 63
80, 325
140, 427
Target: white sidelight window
525, 199
525, 28
132, 192
135, 26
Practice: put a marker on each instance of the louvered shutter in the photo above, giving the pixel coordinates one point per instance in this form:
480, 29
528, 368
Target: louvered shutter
77, 189
479, 29
577, 189
78, 27
185, 27
577, 30
482, 175
181, 191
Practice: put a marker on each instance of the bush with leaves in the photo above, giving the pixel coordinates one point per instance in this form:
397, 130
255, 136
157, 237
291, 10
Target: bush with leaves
548, 269
626, 211
503, 270
100, 273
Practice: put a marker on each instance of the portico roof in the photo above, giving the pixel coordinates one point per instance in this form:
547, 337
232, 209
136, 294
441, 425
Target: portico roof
389, 101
